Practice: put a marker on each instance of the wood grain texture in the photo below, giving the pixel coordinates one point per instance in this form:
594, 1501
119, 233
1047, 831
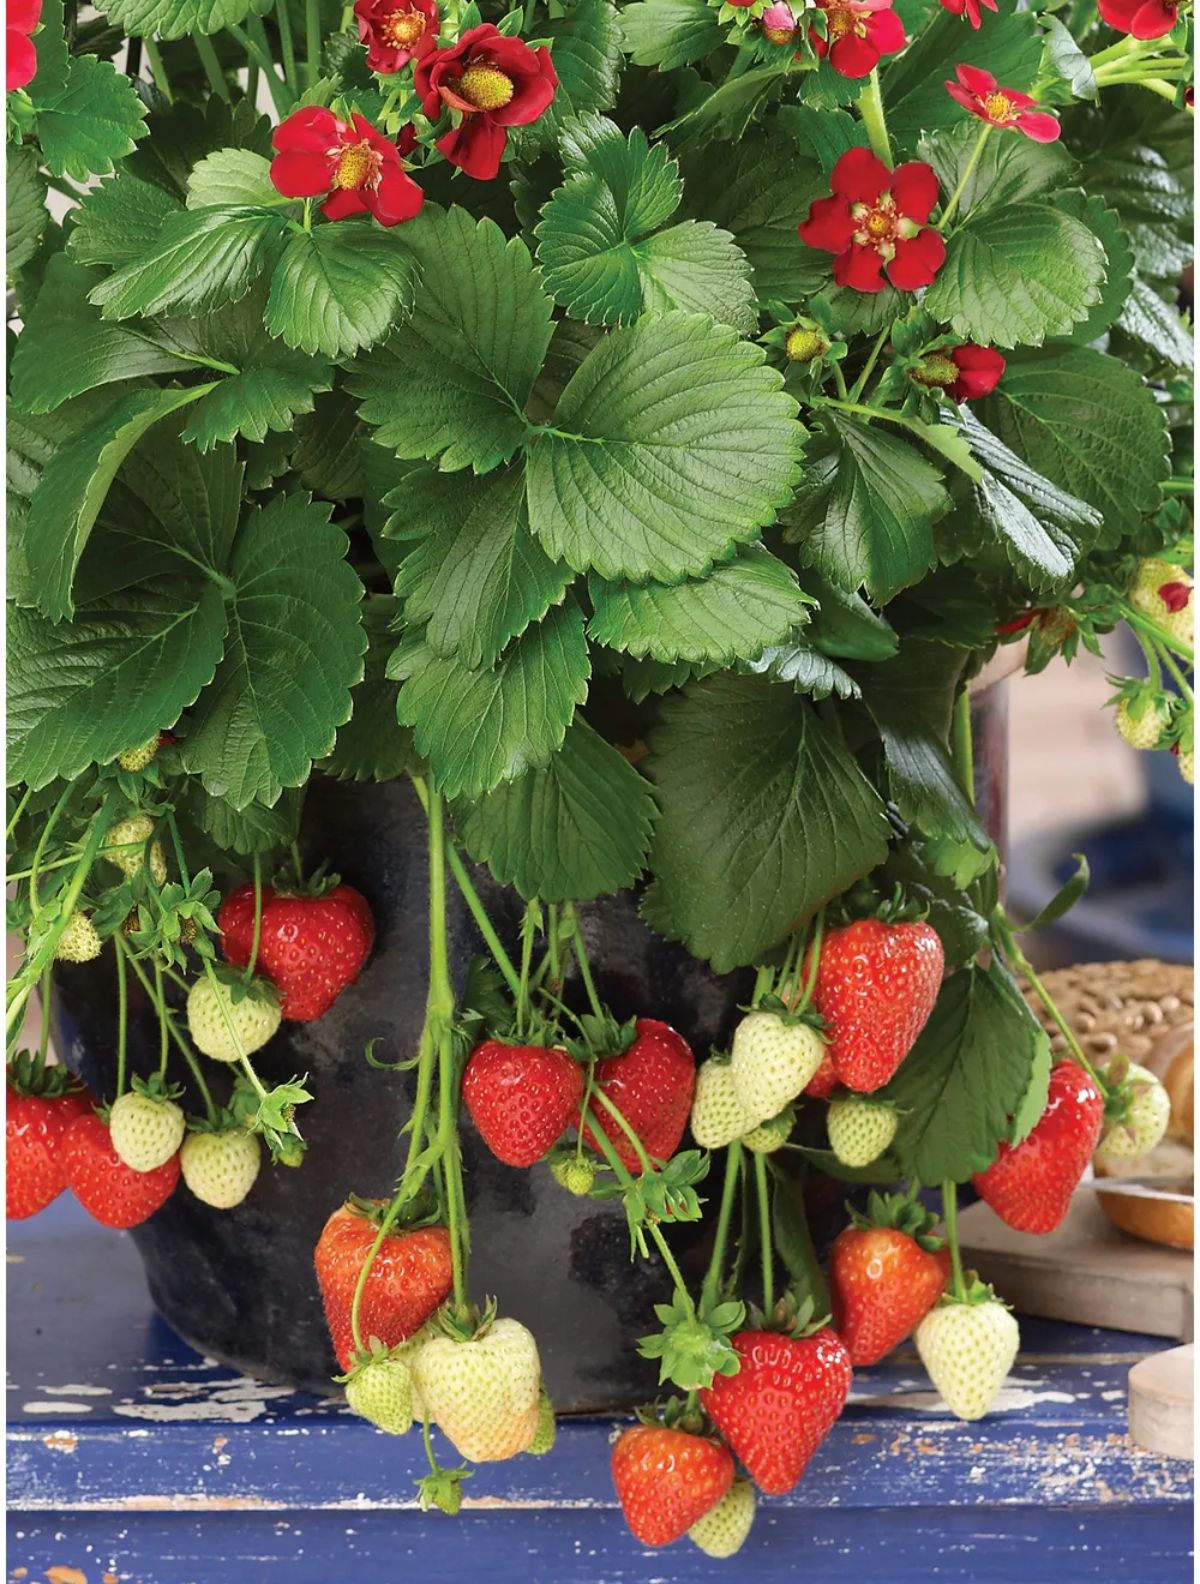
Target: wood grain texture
153, 1465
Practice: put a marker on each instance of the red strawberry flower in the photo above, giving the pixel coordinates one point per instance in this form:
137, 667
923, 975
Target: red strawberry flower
970, 9
20, 57
778, 24
965, 372
979, 92
490, 82
875, 220
857, 33
360, 169
1144, 19
395, 31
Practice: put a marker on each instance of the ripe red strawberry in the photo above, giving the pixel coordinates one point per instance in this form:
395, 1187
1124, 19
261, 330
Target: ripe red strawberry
779, 1407
882, 1284
40, 1104
668, 1479
310, 947
111, 1192
876, 986
825, 1080
410, 1277
522, 1098
651, 1083
1029, 1185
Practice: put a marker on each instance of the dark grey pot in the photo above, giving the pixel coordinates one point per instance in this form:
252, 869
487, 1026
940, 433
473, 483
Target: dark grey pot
239, 1285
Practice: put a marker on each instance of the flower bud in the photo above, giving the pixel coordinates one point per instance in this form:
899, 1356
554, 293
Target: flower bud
778, 23
803, 343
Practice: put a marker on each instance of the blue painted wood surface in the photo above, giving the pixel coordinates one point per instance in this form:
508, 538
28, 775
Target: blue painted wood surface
132, 1458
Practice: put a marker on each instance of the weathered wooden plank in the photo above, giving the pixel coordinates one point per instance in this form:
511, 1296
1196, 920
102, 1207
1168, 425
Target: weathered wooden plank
907, 1546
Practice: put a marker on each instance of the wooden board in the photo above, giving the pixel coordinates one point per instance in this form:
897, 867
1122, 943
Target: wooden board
1086, 1271
131, 1460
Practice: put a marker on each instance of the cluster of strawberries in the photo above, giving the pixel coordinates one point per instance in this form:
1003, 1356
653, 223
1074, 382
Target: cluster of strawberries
123, 1161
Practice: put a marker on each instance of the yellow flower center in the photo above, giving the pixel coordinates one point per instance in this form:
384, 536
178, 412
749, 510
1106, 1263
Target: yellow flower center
840, 20
998, 106
879, 224
403, 28
486, 87
356, 167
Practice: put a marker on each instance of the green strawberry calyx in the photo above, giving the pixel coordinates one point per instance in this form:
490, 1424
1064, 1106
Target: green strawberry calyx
903, 1213
28, 1074
271, 1113
694, 1344
377, 1352
466, 1322
677, 1413
790, 1316
974, 1292
237, 988
600, 1036
807, 1016
420, 1211
1124, 1088
442, 1489
156, 1088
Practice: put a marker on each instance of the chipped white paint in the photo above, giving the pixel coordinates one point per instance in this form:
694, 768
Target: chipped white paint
56, 1407
77, 1391
236, 1401
1012, 1398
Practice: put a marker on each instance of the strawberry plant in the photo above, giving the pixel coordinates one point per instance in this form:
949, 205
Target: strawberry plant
635, 423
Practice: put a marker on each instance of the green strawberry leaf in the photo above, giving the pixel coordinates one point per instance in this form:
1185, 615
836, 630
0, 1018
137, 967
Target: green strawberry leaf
172, 19
1132, 172
1106, 225
807, 669
230, 177
475, 575
740, 607
1018, 274
90, 122
26, 212
1156, 324
340, 288
962, 1083
271, 710
585, 46
372, 745
671, 444
669, 33
201, 259
864, 509
764, 815
1089, 424
914, 86
119, 221
1008, 170
479, 727
453, 382
573, 831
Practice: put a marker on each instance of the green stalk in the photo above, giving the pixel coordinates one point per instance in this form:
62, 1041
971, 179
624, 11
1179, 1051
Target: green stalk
817, 1289
860, 383
950, 1216
43, 843
261, 56
312, 38
439, 1018
1145, 624
1184, 686
814, 964
17, 812
581, 957
287, 45
185, 1049
1126, 46
618, 1169
45, 990
1018, 960
968, 172
212, 66
252, 960
163, 1042
962, 746
526, 965
618, 1116
870, 108
712, 1279
122, 1023
159, 72
764, 1231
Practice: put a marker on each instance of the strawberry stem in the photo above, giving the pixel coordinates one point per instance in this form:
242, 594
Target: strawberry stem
712, 1279
764, 1231
17, 812
870, 108
817, 1290
581, 957
961, 744
528, 931
968, 172
44, 992
618, 1115
950, 1216
122, 1022
439, 1023
1017, 959
1145, 624
163, 1041
165, 1012
43, 842
814, 964
252, 960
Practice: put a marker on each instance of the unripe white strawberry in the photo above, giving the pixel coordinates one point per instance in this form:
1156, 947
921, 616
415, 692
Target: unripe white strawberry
1186, 760
723, 1529
1143, 1124
771, 1062
1146, 592
125, 846
408, 1351
483, 1393
145, 1130
968, 1350
546, 1433
717, 1114
1142, 729
79, 942
139, 758
380, 1391
860, 1130
772, 1134
221, 1168
226, 1029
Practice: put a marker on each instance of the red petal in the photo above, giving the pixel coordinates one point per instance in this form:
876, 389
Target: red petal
1118, 14
1039, 126
852, 56
396, 198
1153, 19
967, 100
475, 147
20, 60
886, 32
979, 371
860, 176
860, 268
975, 80
915, 189
312, 130
918, 260
829, 225
300, 175
532, 100
344, 203
23, 15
